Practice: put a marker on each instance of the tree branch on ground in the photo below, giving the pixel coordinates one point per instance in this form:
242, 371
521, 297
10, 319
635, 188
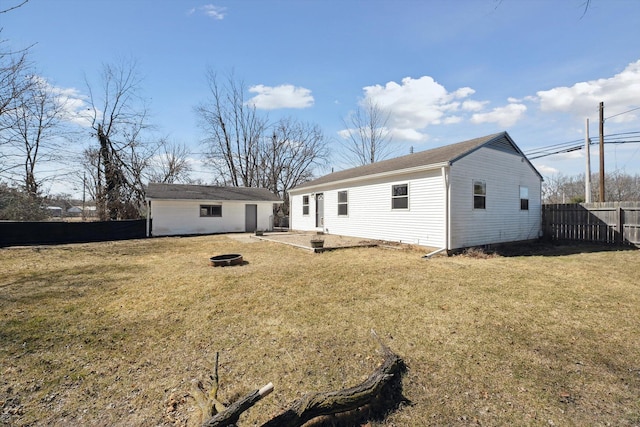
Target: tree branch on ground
374, 398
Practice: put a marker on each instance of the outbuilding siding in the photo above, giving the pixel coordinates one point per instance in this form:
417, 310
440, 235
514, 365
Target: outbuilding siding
180, 217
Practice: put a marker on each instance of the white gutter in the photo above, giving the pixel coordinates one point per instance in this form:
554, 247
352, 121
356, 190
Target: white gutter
447, 214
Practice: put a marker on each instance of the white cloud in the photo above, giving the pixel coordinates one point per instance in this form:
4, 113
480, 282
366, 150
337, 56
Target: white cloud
283, 96
452, 120
215, 12
471, 105
546, 170
415, 104
75, 108
619, 93
504, 116
409, 135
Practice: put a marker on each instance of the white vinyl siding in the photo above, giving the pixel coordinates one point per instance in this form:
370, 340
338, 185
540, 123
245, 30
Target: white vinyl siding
176, 217
503, 172
371, 215
502, 220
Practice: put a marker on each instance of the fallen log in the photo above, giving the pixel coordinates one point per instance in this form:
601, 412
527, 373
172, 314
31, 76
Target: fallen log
383, 386
230, 415
379, 394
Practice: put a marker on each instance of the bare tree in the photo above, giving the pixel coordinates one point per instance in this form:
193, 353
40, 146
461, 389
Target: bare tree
17, 205
289, 157
32, 129
22, 3
619, 187
233, 130
246, 151
14, 82
171, 164
89, 176
367, 138
120, 120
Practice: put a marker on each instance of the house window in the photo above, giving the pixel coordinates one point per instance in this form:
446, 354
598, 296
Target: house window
210, 210
524, 198
342, 203
400, 196
305, 205
479, 195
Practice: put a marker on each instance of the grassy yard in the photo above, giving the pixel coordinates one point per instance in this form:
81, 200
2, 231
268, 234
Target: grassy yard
113, 333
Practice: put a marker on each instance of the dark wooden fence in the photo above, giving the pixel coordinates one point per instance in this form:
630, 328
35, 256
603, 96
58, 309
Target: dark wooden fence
47, 233
608, 222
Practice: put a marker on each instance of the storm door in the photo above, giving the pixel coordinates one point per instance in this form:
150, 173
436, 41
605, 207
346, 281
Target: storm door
319, 209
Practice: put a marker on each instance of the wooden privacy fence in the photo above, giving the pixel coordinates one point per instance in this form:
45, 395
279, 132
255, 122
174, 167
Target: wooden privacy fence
608, 222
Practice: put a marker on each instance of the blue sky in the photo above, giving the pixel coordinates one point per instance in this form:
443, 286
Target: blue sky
446, 70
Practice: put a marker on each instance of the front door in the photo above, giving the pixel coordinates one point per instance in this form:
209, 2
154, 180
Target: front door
250, 218
319, 210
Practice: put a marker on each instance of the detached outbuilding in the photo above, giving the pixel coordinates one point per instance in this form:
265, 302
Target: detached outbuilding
179, 209
473, 193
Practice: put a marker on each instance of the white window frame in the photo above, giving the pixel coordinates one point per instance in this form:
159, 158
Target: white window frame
395, 197
524, 198
305, 206
483, 194
344, 203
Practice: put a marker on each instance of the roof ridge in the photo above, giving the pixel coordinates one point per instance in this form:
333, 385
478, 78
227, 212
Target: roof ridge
433, 156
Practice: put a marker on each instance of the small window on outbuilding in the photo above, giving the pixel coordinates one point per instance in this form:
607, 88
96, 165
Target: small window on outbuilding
210, 210
479, 195
524, 198
400, 196
305, 205
343, 203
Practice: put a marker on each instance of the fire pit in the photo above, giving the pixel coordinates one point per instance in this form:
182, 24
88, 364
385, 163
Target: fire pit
225, 260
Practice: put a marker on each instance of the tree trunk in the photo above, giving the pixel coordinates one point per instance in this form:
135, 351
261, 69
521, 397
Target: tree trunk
372, 399
382, 388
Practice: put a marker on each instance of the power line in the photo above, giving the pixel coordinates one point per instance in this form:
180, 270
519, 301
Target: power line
569, 146
624, 112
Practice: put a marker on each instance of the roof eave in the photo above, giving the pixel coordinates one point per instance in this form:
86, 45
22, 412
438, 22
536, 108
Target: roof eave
387, 174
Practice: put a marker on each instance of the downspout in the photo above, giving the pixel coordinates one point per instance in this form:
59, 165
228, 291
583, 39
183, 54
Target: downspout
447, 219
149, 218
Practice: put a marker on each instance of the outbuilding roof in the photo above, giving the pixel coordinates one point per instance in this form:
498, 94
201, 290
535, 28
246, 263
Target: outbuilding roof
444, 155
208, 192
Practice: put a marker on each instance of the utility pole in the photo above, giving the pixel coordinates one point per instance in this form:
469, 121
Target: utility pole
601, 152
587, 173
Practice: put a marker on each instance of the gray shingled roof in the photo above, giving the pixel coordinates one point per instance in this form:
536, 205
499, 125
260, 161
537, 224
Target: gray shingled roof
440, 155
208, 192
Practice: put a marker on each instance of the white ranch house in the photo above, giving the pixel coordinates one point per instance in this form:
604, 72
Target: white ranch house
474, 193
178, 209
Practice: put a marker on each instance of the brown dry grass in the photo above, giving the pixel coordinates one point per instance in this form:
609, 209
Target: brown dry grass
113, 333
